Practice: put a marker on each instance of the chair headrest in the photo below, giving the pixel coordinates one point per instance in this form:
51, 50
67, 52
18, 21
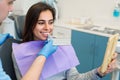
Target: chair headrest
19, 24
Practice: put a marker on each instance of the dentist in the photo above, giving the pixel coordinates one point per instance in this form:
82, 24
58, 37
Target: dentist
6, 6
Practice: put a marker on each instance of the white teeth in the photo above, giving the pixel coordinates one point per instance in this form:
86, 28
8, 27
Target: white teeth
45, 33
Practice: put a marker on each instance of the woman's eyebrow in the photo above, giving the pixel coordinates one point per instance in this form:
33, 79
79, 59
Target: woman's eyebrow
45, 20
41, 20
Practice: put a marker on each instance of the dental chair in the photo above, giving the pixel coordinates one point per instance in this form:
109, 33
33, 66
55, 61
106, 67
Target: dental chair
19, 24
6, 57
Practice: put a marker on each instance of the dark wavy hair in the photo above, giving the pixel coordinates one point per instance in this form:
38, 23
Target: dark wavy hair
32, 18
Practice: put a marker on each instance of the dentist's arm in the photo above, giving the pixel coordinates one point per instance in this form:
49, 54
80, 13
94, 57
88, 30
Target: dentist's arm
35, 70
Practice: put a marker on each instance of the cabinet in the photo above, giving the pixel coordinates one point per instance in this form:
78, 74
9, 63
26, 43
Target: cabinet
90, 49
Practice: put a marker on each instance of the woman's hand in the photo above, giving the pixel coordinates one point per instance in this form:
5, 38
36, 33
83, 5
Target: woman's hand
111, 67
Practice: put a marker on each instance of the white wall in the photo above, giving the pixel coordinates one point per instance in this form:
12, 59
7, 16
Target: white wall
99, 10
87, 7
21, 6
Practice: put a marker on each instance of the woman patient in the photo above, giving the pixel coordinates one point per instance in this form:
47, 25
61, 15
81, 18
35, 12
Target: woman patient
39, 24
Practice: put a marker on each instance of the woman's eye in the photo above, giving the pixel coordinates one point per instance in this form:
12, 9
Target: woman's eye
51, 22
40, 23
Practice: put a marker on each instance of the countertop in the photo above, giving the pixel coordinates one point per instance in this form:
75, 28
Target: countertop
88, 28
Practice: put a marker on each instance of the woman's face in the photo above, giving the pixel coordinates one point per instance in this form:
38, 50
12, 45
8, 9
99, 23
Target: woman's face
44, 26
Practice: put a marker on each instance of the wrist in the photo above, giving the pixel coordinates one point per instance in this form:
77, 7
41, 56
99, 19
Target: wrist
41, 57
99, 73
41, 54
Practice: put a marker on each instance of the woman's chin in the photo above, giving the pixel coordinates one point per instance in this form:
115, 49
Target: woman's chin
44, 39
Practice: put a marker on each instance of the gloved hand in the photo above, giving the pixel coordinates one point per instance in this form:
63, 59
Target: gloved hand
3, 75
48, 49
3, 37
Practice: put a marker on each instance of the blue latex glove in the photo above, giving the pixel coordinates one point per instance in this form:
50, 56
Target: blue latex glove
48, 49
3, 75
4, 37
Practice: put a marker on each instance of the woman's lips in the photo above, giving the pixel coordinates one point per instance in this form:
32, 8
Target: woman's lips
45, 34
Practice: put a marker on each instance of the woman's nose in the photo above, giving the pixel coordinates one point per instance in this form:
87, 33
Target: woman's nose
46, 26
